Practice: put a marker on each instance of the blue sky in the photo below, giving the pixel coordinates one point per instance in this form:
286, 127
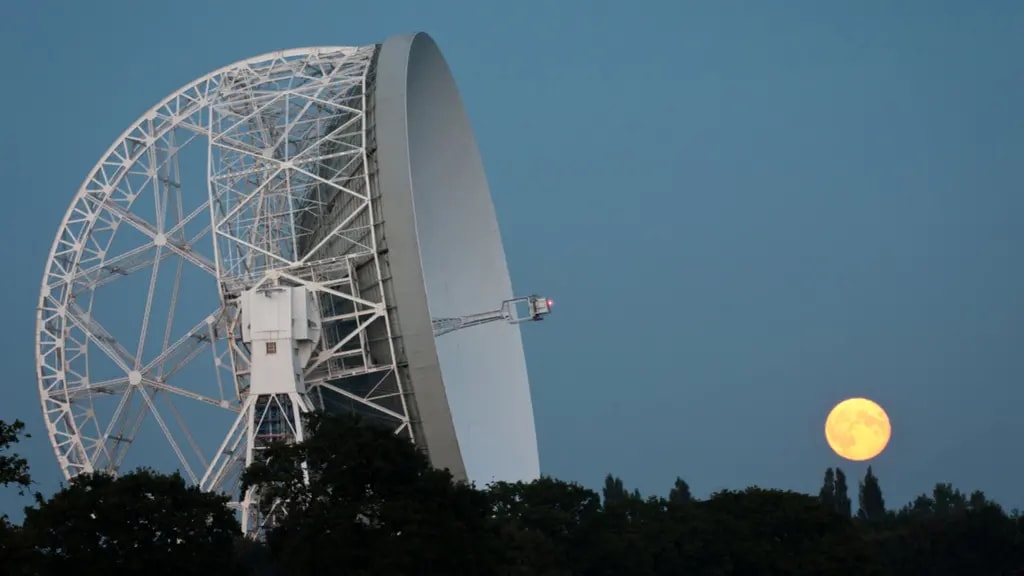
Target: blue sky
745, 211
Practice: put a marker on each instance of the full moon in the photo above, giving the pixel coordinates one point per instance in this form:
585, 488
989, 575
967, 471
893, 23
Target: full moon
857, 429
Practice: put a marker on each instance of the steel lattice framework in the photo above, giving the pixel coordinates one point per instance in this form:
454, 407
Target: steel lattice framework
291, 199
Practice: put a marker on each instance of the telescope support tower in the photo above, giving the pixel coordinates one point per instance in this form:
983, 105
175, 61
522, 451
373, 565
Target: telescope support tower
281, 327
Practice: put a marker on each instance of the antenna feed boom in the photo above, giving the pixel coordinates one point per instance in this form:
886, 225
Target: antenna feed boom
514, 311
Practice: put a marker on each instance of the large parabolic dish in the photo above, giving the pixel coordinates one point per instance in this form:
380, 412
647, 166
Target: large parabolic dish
308, 229
449, 261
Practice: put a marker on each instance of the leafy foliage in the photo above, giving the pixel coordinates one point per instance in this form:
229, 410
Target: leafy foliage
14, 471
542, 524
828, 489
138, 523
872, 505
373, 505
680, 493
834, 493
781, 532
13, 468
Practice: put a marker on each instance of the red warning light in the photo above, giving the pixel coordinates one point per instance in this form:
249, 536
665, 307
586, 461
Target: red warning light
551, 303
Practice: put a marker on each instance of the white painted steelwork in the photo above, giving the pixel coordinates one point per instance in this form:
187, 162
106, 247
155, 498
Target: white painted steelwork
324, 204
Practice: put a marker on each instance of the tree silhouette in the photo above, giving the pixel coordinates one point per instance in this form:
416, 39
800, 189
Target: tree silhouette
614, 491
872, 505
781, 532
841, 501
373, 505
546, 526
944, 501
978, 501
827, 494
948, 499
834, 492
139, 523
13, 468
14, 471
952, 538
680, 493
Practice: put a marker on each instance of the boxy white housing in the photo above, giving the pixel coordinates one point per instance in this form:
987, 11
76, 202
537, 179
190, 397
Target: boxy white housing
281, 326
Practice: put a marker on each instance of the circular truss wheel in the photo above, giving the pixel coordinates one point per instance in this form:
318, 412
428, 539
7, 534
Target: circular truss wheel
137, 355
241, 223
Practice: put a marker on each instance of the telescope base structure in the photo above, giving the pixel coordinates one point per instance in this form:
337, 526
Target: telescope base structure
280, 327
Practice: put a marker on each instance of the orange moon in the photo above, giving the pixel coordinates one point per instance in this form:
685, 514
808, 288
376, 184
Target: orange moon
857, 429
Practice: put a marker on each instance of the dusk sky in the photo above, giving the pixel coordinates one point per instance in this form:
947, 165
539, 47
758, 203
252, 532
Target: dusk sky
744, 211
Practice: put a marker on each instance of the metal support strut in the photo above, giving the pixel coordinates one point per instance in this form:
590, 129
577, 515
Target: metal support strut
281, 325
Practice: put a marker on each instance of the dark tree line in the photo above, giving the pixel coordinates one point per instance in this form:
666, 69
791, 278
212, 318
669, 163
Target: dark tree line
373, 505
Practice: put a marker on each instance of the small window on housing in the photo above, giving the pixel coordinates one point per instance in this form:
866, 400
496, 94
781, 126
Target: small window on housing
271, 347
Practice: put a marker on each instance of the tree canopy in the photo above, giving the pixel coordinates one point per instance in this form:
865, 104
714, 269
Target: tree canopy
13, 468
139, 523
372, 504
13, 472
356, 498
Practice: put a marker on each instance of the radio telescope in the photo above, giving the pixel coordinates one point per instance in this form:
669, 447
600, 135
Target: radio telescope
305, 230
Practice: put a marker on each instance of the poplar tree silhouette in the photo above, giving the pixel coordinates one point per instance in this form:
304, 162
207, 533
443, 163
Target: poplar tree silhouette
828, 489
872, 505
834, 492
614, 491
841, 499
680, 493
